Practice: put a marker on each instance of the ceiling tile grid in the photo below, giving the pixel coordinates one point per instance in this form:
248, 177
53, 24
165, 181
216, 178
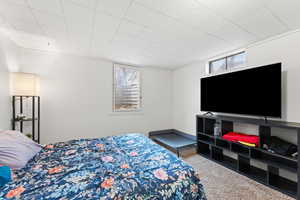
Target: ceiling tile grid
53, 6
52, 24
113, 7
262, 24
287, 11
167, 33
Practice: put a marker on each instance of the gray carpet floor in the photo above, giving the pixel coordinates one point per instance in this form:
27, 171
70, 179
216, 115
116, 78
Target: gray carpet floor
221, 183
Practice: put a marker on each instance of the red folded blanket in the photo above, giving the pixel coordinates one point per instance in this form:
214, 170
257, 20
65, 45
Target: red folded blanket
235, 137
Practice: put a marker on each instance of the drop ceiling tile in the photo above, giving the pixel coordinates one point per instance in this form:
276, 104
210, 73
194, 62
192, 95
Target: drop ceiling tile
85, 3
189, 49
105, 28
172, 8
50, 21
130, 47
30, 41
76, 14
79, 21
185, 38
287, 11
19, 17
16, 12
28, 27
113, 7
2, 20
126, 43
131, 56
53, 6
233, 9
144, 16
203, 20
203, 49
19, 2
53, 25
105, 22
153, 37
132, 29
210, 42
137, 42
235, 35
262, 24
154, 20
189, 12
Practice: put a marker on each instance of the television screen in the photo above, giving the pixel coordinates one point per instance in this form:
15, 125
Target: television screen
255, 91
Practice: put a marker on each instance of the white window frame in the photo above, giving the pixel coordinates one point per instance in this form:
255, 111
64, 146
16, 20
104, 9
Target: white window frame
114, 90
209, 71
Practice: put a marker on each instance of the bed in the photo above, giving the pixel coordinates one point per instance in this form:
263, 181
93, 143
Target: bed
129, 166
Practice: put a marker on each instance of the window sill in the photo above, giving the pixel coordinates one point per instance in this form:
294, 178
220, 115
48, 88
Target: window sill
127, 113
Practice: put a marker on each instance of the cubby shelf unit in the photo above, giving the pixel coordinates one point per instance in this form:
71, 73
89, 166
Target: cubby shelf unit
215, 148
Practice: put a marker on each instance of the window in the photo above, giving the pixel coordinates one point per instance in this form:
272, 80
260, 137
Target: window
127, 91
218, 65
237, 60
228, 62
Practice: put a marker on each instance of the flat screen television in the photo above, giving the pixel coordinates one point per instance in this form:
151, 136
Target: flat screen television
255, 91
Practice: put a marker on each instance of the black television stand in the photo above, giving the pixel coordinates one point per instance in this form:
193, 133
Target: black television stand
240, 158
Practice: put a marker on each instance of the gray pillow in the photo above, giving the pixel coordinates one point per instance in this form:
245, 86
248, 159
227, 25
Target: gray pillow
16, 149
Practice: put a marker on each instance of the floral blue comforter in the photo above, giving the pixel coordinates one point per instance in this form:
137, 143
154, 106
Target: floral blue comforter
112, 168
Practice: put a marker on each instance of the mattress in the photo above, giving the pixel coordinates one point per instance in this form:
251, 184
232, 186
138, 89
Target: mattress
128, 166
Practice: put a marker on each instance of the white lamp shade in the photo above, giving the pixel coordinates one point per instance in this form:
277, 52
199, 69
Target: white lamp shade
24, 84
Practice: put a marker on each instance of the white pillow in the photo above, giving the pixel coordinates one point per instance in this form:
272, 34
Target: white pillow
16, 149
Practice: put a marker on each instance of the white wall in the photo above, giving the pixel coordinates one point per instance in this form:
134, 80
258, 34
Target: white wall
4, 94
186, 97
77, 93
8, 62
285, 49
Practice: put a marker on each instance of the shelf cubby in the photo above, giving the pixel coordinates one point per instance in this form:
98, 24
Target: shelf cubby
229, 162
203, 149
200, 125
285, 185
209, 126
253, 162
219, 156
240, 149
275, 160
250, 171
244, 164
257, 174
226, 126
222, 143
264, 134
206, 139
